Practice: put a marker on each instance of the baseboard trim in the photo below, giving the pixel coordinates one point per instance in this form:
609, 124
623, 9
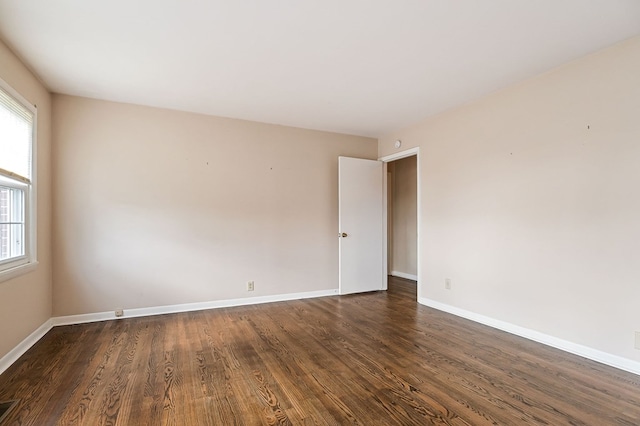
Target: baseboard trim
15, 353
584, 351
574, 348
188, 307
404, 275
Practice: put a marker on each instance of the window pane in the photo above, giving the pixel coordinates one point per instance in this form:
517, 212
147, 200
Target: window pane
11, 238
16, 133
12, 225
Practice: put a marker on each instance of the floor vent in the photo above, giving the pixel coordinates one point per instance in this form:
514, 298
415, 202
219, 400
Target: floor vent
5, 408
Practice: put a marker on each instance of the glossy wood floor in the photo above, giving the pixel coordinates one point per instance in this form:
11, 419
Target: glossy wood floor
369, 359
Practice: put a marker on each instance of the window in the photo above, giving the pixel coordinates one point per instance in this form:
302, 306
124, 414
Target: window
17, 192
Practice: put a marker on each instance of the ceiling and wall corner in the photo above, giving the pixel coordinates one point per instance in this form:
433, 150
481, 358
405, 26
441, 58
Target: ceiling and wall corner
361, 67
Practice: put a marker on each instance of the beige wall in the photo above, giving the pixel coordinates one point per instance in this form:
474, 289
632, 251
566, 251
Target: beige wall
530, 202
25, 301
404, 217
157, 207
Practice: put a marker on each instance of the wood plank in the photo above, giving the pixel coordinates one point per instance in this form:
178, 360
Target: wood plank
373, 359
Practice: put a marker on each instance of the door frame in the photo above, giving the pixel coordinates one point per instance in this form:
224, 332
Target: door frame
385, 244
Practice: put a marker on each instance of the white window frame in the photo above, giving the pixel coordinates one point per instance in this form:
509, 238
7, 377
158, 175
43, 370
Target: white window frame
11, 268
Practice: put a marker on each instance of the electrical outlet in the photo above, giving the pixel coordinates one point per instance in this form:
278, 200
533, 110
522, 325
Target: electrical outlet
447, 283
119, 312
250, 286
637, 345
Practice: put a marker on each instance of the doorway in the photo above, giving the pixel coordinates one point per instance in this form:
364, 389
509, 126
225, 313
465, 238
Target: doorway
402, 223
402, 201
363, 192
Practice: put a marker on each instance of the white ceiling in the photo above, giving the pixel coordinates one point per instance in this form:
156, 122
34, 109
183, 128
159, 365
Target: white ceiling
364, 67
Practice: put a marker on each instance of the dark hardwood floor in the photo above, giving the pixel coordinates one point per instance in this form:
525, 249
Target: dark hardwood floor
369, 359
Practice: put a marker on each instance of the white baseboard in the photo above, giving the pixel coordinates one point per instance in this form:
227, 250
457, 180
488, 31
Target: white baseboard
18, 351
584, 351
404, 275
574, 348
15, 353
188, 307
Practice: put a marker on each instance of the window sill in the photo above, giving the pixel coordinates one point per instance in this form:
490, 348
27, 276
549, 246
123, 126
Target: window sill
18, 270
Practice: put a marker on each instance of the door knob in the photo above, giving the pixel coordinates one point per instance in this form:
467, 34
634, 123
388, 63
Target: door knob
343, 235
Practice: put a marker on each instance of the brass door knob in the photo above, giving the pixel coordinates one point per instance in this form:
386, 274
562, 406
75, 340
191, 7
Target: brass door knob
343, 235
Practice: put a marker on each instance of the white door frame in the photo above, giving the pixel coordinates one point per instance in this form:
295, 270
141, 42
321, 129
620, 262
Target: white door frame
387, 159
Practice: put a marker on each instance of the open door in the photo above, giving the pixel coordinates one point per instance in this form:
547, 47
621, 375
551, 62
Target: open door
361, 225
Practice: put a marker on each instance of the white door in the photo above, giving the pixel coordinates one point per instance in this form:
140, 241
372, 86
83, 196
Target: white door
361, 225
